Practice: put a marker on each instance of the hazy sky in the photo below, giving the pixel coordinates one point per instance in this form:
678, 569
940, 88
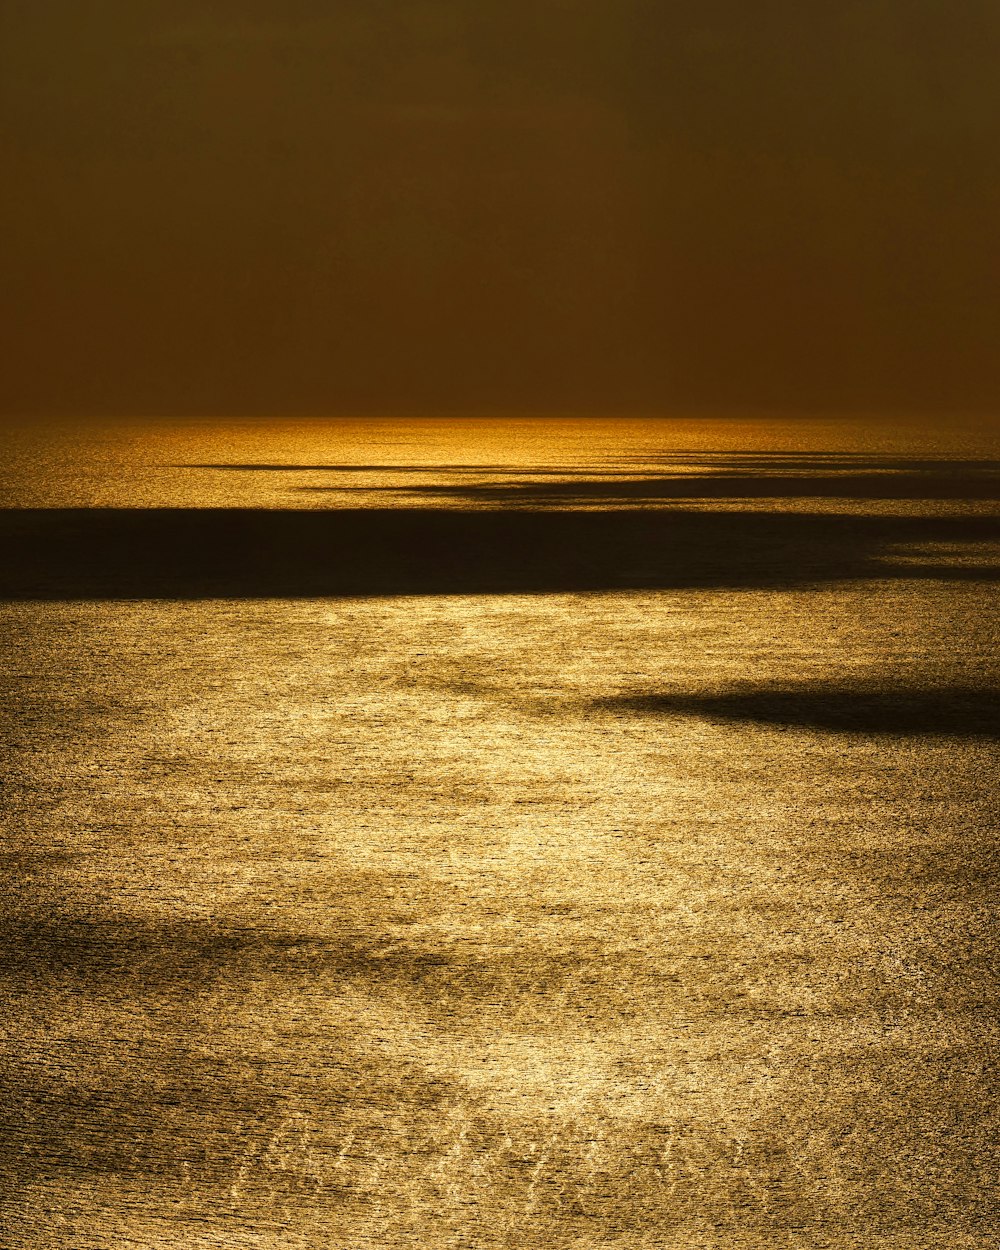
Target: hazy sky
500, 205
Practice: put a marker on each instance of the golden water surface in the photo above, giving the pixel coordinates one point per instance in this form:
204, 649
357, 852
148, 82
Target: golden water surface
603, 897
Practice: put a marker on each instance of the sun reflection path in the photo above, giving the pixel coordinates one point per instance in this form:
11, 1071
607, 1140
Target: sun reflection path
387, 914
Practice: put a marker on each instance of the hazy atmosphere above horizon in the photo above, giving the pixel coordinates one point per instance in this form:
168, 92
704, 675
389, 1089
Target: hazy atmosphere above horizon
502, 206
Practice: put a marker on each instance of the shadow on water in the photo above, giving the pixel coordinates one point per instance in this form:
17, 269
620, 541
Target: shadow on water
720, 485
952, 711
492, 530
175, 1100
192, 553
705, 476
157, 956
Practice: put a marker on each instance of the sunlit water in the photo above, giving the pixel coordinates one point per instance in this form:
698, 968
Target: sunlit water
634, 917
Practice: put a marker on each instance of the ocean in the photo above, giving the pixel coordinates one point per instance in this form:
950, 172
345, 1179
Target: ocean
500, 833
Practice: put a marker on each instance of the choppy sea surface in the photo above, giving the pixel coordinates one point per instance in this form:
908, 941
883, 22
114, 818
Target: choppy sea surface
500, 834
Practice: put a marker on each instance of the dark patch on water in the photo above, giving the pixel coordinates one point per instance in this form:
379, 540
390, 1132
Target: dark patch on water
196, 553
953, 711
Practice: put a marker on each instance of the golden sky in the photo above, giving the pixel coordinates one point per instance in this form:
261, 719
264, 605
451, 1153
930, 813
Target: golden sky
325, 206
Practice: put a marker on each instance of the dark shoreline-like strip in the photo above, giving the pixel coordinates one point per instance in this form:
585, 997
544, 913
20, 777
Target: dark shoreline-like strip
182, 553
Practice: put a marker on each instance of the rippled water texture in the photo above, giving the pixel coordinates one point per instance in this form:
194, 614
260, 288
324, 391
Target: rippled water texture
500, 835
